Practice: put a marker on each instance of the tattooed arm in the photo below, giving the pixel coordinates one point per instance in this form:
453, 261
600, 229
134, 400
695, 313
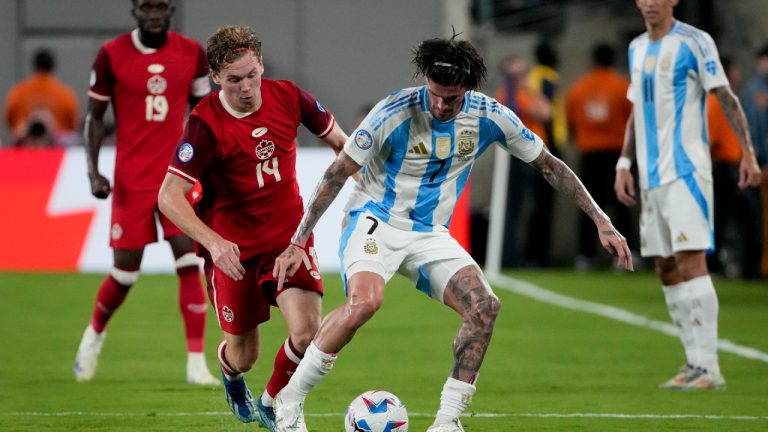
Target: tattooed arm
749, 170
325, 192
564, 180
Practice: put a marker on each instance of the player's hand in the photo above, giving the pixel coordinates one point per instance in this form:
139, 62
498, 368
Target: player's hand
226, 256
749, 171
616, 245
100, 187
624, 186
287, 264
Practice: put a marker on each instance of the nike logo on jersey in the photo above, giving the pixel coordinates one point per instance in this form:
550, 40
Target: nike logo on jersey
260, 131
419, 149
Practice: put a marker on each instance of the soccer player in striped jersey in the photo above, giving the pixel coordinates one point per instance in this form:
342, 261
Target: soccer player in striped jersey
417, 147
673, 65
151, 76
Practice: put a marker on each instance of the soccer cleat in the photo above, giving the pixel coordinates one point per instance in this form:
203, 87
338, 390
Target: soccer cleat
684, 374
265, 416
240, 400
289, 417
197, 371
705, 381
452, 426
87, 357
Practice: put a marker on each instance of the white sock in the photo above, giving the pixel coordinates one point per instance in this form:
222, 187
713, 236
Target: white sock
196, 360
266, 399
679, 306
313, 367
704, 309
454, 399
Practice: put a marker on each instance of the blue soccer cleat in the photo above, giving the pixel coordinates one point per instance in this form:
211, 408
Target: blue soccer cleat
240, 400
265, 416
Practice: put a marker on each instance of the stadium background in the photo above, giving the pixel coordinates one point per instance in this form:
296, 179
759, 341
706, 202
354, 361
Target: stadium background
350, 53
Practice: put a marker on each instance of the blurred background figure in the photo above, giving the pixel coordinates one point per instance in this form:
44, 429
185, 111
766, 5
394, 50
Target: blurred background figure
597, 109
730, 215
535, 111
755, 234
41, 111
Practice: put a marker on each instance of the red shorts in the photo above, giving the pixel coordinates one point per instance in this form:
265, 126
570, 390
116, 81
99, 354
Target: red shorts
133, 220
242, 305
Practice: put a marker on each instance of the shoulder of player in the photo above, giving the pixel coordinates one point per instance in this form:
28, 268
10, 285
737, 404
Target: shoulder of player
693, 37
121, 42
397, 106
482, 105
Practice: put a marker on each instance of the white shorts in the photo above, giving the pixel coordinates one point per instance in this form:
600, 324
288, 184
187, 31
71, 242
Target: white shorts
677, 216
428, 259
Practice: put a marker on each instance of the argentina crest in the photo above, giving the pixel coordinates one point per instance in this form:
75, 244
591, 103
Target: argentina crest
466, 144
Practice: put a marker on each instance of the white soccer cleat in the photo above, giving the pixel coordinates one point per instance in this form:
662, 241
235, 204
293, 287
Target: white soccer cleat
289, 416
197, 371
705, 381
87, 357
684, 374
452, 426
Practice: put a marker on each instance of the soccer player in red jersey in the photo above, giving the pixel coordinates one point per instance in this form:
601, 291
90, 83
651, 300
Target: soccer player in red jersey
240, 142
150, 75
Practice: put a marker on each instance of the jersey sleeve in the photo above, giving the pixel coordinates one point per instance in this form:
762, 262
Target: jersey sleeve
367, 141
201, 84
711, 70
632, 83
515, 137
102, 80
194, 152
314, 116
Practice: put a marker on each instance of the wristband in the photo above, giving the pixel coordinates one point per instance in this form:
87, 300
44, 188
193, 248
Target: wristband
624, 163
298, 246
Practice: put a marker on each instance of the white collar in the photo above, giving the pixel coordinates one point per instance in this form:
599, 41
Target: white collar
232, 111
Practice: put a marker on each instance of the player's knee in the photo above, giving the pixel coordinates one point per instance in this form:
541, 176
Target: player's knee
302, 338
488, 307
244, 360
359, 312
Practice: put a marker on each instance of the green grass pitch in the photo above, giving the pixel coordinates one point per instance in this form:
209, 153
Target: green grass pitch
547, 369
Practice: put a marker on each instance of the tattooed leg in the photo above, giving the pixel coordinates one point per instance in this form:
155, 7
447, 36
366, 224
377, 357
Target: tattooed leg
469, 294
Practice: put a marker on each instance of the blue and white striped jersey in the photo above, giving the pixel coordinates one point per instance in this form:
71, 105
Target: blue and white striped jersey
415, 166
670, 78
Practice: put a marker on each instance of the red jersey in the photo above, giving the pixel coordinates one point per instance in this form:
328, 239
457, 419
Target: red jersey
150, 90
249, 161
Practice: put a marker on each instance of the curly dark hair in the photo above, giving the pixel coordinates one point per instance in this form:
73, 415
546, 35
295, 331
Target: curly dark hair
229, 43
450, 62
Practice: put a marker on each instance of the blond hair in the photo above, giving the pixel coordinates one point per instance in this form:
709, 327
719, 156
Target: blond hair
229, 43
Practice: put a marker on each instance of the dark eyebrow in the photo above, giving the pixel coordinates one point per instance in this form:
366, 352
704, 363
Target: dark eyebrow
232, 77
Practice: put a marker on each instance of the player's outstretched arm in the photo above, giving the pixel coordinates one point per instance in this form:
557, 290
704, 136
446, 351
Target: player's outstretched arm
326, 191
557, 173
93, 135
749, 170
173, 203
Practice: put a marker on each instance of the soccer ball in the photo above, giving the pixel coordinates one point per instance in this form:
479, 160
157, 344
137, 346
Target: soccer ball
376, 411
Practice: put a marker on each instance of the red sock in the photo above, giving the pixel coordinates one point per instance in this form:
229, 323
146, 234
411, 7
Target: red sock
286, 361
110, 296
193, 307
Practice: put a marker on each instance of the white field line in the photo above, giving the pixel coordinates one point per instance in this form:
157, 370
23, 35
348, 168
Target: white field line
339, 414
535, 292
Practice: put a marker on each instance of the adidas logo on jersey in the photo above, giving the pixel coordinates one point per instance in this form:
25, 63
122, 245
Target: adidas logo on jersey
419, 149
681, 238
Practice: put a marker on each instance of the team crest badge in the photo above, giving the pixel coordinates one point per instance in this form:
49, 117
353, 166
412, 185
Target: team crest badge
443, 147
116, 232
227, 314
650, 63
264, 149
186, 151
363, 139
666, 62
466, 143
156, 84
370, 247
